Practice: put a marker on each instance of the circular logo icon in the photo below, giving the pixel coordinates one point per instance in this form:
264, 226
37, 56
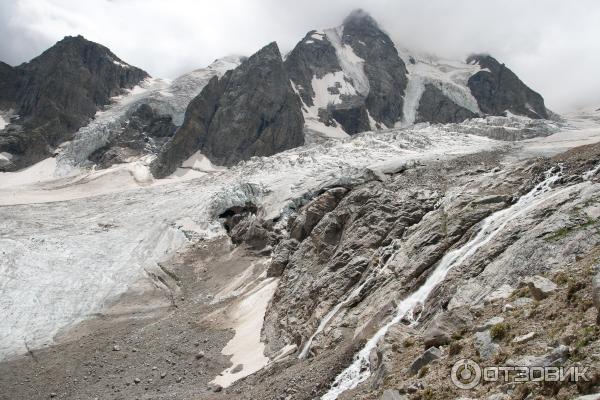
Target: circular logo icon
466, 374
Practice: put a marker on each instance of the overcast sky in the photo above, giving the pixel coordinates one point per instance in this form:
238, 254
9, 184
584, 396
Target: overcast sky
553, 45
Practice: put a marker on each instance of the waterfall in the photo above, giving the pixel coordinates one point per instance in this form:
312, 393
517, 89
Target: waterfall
359, 370
330, 315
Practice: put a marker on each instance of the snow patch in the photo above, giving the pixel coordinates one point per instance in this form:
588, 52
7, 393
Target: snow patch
318, 35
199, 162
3, 123
39, 172
330, 88
246, 347
449, 76
352, 65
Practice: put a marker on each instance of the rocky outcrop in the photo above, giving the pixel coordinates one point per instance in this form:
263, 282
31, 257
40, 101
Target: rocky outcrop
144, 132
383, 67
436, 107
58, 92
497, 90
356, 73
250, 111
313, 57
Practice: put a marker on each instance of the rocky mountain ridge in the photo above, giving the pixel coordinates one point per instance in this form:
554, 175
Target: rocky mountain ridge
348, 79
57, 93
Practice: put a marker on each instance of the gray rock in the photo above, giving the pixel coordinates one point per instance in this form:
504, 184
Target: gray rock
436, 107
486, 348
435, 337
524, 338
497, 90
540, 287
499, 396
384, 69
250, 111
595, 396
145, 132
503, 292
311, 58
237, 368
596, 292
557, 356
424, 359
281, 257
489, 323
392, 394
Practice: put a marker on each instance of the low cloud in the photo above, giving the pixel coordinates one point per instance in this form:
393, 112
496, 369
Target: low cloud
551, 44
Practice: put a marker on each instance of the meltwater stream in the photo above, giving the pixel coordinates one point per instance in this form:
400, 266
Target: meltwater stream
359, 370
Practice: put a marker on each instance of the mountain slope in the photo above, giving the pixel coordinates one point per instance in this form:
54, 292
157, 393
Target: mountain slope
498, 90
251, 111
58, 92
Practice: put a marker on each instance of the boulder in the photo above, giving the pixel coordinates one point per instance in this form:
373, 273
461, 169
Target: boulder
436, 337
424, 359
524, 338
489, 323
392, 394
485, 346
540, 287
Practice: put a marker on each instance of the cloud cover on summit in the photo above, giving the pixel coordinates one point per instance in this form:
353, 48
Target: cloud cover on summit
551, 44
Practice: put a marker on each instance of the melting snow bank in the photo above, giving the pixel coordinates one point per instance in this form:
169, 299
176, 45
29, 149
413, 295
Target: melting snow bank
246, 349
359, 370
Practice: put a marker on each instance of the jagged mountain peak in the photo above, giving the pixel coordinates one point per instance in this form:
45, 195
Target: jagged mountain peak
484, 60
79, 50
360, 17
271, 50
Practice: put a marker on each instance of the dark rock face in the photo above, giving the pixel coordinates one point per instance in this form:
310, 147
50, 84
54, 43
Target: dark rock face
499, 90
385, 70
435, 107
315, 56
351, 116
144, 133
311, 57
9, 79
58, 92
250, 111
